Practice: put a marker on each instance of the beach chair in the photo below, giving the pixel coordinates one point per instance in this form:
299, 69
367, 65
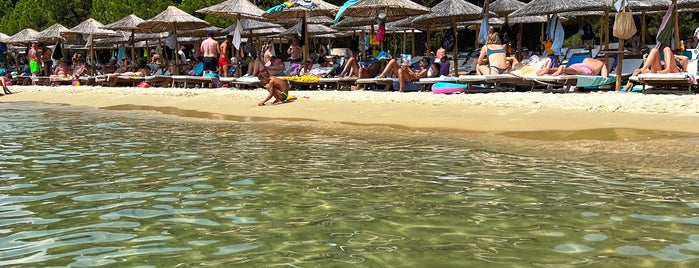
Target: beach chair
158, 80
384, 84
668, 83
246, 82
426, 83
122, 80
57, 80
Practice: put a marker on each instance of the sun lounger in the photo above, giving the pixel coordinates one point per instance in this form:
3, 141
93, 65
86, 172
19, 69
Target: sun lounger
122, 80
337, 82
246, 82
666, 82
384, 84
427, 83
61, 80
158, 80
475, 83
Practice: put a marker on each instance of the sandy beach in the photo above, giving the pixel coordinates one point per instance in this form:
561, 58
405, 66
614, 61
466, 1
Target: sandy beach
493, 112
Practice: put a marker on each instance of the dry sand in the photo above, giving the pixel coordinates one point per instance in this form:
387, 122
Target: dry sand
494, 112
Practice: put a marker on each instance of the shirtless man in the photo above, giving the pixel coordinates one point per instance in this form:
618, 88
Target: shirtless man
589, 66
33, 57
224, 55
276, 87
209, 49
276, 68
46, 62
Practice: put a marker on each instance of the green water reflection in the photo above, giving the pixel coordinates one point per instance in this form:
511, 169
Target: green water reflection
93, 187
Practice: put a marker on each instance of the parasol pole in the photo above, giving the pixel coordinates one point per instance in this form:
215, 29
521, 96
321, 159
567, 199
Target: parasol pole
175, 70
644, 30
620, 57
456, 47
677, 25
133, 45
606, 35
403, 43
92, 57
305, 35
428, 41
413, 42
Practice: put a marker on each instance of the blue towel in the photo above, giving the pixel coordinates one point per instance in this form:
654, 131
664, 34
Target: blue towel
594, 80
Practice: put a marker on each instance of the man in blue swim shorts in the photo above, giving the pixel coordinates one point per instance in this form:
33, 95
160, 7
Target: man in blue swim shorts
209, 49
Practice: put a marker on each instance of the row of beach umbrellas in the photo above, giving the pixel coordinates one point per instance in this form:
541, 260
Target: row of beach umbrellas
357, 13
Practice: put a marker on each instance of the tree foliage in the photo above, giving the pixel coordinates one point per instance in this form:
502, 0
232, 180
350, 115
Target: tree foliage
26, 14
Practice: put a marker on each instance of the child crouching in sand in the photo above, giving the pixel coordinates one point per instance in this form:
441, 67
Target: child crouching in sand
277, 88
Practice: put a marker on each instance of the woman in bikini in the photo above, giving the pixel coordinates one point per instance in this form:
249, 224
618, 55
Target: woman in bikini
493, 59
652, 64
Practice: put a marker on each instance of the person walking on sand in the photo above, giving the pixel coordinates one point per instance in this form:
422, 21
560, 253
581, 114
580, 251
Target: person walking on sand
33, 56
209, 50
276, 87
224, 55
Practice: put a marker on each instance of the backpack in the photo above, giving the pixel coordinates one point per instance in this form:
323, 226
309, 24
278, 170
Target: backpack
586, 32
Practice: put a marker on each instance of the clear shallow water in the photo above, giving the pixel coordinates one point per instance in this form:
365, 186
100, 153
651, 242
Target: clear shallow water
93, 187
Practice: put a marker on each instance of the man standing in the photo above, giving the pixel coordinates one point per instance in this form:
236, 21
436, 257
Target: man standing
33, 56
209, 50
46, 61
224, 54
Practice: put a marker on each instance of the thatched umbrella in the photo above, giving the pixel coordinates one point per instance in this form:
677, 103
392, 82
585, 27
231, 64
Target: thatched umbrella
394, 9
312, 29
129, 24
321, 8
238, 9
93, 29
172, 19
311, 20
503, 8
451, 11
23, 37
52, 34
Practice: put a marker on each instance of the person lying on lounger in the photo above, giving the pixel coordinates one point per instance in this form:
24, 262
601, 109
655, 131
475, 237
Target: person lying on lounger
405, 73
143, 71
493, 59
62, 68
589, 66
652, 64
277, 88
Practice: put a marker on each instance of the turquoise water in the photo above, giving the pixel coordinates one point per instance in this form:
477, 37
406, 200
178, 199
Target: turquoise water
83, 187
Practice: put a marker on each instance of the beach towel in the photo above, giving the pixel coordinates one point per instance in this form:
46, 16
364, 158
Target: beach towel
594, 80
555, 32
236, 35
664, 37
342, 9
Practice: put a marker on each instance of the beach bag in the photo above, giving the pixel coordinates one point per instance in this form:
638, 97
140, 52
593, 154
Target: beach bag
624, 26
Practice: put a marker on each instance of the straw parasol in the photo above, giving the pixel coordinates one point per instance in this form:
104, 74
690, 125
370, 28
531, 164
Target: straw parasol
23, 37
451, 11
172, 19
251, 25
544, 7
503, 8
688, 3
321, 8
313, 29
129, 24
311, 20
52, 34
394, 9
238, 9
93, 29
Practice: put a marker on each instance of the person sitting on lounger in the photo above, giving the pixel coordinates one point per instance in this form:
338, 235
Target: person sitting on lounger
143, 71
444, 66
351, 66
652, 64
433, 70
405, 73
493, 59
277, 88
589, 66
123, 66
109, 67
370, 70
277, 67
62, 68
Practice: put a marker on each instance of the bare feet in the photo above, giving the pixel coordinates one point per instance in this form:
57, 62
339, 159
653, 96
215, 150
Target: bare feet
558, 72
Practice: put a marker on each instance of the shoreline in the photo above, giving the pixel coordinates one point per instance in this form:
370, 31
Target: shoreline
491, 112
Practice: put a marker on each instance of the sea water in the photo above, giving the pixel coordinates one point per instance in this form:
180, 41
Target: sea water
125, 187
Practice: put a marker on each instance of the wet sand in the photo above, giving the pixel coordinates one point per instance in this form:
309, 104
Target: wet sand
649, 132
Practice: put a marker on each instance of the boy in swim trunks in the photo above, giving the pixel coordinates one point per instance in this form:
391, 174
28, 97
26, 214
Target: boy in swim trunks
589, 66
276, 87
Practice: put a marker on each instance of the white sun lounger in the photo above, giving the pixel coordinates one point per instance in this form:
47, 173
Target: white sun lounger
666, 82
